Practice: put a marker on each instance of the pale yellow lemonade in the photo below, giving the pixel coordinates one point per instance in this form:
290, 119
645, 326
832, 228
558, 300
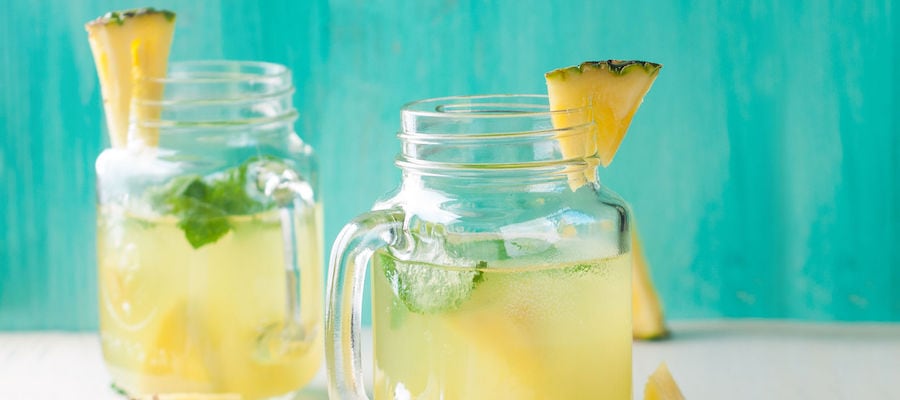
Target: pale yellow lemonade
528, 331
175, 319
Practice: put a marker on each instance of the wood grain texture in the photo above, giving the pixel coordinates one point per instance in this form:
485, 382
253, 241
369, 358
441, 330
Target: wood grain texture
763, 166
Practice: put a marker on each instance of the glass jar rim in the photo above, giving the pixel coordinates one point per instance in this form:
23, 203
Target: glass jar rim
268, 80
491, 133
242, 71
452, 106
219, 94
487, 116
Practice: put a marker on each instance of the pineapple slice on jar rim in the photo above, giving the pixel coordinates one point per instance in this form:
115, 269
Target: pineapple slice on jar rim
129, 47
612, 90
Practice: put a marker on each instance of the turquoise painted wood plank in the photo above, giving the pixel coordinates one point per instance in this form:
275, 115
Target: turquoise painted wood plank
763, 166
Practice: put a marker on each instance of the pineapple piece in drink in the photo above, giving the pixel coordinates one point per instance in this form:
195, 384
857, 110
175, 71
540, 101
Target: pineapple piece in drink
184, 360
492, 344
202, 312
144, 316
526, 332
420, 352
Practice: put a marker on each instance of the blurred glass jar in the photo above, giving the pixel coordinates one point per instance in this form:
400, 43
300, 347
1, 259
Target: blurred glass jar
210, 238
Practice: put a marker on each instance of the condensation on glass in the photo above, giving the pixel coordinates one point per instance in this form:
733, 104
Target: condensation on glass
500, 266
210, 242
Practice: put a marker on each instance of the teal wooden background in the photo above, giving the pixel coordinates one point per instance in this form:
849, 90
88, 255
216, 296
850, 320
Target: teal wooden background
764, 166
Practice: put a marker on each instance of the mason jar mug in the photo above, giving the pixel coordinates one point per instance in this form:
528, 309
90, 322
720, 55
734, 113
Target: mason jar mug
209, 238
500, 266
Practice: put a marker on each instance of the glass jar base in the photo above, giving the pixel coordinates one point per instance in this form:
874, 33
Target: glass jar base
131, 385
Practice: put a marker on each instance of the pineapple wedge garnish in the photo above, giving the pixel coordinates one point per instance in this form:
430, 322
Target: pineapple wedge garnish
613, 90
661, 385
129, 47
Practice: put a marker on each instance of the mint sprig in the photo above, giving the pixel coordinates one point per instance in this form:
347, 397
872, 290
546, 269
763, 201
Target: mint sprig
203, 205
426, 289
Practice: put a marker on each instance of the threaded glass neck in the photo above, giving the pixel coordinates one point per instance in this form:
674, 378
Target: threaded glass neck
495, 135
214, 96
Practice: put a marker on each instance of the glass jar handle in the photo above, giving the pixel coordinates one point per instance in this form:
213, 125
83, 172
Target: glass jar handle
350, 256
294, 197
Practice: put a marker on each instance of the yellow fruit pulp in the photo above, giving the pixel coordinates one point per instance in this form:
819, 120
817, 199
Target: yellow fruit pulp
661, 386
174, 319
130, 50
649, 322
612, 89
532, 332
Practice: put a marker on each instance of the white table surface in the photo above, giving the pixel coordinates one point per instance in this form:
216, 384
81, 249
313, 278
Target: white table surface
754, 360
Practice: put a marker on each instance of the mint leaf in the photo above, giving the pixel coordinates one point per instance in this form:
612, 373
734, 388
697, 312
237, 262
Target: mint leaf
227, 190
203, 230
427, 288
118, 390
203, 205
479, 273
202, 222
